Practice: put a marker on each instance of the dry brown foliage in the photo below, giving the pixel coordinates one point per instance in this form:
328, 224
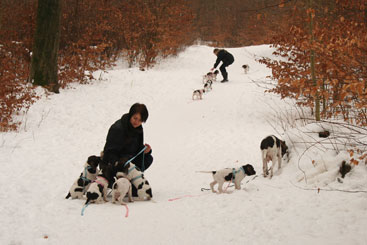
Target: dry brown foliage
339, 42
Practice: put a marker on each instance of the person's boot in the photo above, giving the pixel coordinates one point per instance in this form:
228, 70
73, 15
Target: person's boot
225, 79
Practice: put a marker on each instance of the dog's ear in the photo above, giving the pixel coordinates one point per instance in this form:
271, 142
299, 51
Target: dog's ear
249, 169
94, 161
149, 192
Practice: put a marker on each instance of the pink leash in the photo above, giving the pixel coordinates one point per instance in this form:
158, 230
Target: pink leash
127, 211
178, 198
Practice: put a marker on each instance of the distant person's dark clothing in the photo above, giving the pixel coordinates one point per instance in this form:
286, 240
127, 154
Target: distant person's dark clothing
227, 59
123, 140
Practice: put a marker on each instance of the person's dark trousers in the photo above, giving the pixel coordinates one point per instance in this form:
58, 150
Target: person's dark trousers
223, 70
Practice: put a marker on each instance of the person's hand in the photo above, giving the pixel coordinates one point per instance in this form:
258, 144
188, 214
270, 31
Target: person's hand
148, 148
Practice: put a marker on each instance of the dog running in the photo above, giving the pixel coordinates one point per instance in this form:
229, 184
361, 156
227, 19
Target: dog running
235, 175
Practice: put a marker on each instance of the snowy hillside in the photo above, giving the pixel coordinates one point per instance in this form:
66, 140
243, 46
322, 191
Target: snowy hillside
225, 129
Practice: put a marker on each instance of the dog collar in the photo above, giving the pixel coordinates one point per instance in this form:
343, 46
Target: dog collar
135, 178
98, 182
243, 170
131, 169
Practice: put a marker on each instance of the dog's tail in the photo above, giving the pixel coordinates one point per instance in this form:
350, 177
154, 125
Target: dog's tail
114, 184
207, 172
69, 195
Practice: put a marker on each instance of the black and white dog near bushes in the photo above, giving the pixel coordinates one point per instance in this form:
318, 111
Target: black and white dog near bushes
88, 175
235, 175
272, 149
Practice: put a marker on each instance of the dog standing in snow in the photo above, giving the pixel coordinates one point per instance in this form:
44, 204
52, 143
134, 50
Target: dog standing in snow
120, 188
210, 76
235, 175
86, 177
198, 94
208, 86
246, 68
272, 149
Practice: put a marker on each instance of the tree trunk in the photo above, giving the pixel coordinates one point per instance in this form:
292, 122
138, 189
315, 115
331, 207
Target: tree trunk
46, 45
313, 76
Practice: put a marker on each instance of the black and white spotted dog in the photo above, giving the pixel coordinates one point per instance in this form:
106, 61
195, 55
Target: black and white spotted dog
97, 191
208, 86
235, 175
210, 76
246, 68
136, 177
89, 174
198, 94
272, 149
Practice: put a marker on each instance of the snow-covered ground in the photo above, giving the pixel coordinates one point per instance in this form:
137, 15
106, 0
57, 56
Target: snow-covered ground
40, 162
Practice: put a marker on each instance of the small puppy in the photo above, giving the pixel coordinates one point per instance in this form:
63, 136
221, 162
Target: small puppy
120, 188
86, 177
210, 76
246, 68
230, 174
272, 149
208, 86
97, 191
136, 177
198, 94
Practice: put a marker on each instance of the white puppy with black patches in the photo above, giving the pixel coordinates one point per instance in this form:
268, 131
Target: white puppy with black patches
136, 177
198, 94
272, 149
235, 175
97, 191
120, 188
210, 76
89, 174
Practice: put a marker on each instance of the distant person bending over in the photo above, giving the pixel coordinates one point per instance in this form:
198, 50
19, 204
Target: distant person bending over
227, 59
125, 138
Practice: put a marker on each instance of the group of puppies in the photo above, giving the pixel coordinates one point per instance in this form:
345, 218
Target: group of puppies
96, 178
272, 149
208, 81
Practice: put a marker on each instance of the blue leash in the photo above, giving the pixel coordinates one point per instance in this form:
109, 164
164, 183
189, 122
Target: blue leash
128, 161
84, 207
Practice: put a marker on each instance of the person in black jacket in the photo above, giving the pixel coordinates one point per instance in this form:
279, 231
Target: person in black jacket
226, 58
125, 139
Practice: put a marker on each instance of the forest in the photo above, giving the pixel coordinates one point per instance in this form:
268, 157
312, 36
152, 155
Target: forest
321, 45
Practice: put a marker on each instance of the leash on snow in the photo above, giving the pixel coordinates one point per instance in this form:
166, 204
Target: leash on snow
83, 209
127, 211
178, 198
229, 185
